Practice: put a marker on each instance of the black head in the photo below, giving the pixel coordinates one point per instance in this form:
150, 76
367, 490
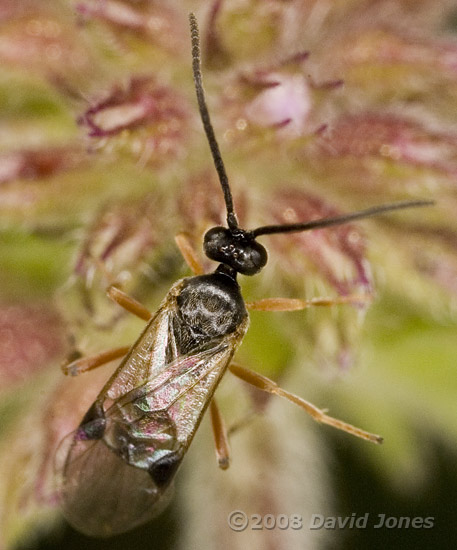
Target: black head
233, 246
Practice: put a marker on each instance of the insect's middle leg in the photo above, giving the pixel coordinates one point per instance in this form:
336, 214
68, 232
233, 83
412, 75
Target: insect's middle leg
265, 384
128, 303
78, 365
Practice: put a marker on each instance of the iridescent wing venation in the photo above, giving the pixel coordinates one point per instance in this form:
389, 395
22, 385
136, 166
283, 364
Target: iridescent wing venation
180, 393
120, 479
151, 353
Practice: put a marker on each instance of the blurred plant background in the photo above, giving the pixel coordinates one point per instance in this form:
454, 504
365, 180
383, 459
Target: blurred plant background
320, 107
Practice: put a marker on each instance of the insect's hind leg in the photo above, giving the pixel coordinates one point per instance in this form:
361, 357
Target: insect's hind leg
189, 254
220, 436
265, 384
78, 365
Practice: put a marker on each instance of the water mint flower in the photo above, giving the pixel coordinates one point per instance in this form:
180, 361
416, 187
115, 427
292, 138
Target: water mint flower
319, 109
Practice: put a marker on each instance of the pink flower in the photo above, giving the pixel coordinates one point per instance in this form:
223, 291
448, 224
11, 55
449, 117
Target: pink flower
286, 104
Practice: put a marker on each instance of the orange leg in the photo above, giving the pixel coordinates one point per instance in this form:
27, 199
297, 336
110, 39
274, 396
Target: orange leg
128, 303
220, 436
84, 364
294, 304
135, 307
189, 254
78, 365
265, 384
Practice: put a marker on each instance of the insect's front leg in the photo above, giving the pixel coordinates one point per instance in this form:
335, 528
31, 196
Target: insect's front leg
189, 254
265, 384
295, 304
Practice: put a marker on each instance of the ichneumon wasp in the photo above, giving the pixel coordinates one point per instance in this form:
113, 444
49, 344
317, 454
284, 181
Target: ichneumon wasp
116, 469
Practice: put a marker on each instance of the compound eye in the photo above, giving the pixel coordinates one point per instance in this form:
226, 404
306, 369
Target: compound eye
253, 260
216, 243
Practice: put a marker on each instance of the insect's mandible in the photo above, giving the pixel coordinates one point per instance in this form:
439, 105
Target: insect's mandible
116, 469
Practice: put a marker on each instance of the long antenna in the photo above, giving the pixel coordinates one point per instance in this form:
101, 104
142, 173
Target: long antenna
213, 145
337, 220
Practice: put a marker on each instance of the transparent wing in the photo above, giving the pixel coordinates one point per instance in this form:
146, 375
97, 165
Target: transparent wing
181, 392
101, 495
116, 469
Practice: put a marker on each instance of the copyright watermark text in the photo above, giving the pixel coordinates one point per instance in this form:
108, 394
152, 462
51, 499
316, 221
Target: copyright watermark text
238, 520
378, 521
